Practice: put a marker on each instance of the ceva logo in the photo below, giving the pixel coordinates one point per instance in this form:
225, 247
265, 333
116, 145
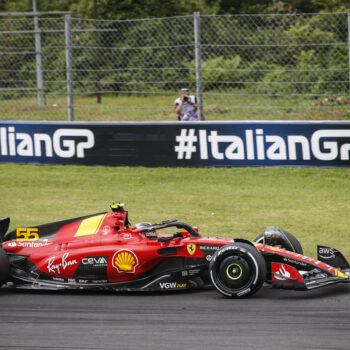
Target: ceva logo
64, 143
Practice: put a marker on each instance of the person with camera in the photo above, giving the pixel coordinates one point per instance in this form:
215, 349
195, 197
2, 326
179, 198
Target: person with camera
186, 106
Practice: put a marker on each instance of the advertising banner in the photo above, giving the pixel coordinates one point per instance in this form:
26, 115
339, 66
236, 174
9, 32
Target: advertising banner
194, 144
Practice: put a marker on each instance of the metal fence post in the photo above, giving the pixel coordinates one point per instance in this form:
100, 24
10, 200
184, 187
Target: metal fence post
197, 48
38, 54
349, 46
97, 54
69, 66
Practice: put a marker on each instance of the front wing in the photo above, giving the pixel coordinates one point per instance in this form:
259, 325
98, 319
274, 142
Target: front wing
290, 270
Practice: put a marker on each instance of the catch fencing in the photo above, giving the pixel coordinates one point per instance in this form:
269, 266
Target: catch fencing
292, 66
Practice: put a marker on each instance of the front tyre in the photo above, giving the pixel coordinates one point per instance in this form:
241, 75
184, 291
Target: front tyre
4, 267
237, 270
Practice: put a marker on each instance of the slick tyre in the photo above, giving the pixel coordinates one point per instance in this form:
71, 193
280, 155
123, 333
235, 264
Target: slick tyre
293, 241
4, 267
237, 270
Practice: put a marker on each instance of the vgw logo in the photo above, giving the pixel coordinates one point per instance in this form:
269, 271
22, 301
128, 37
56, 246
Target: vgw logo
172, 285
65, 143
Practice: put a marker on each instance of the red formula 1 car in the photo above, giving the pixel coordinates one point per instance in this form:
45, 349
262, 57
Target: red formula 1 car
102, 251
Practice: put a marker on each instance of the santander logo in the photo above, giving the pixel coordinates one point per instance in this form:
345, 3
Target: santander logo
283, 272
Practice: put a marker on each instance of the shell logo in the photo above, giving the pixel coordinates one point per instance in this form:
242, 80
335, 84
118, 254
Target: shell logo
125, 261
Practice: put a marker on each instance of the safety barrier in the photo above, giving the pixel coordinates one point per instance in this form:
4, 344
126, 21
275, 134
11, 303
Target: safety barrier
178, 144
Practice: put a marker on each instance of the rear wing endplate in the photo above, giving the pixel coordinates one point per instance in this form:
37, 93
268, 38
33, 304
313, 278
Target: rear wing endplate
4, 225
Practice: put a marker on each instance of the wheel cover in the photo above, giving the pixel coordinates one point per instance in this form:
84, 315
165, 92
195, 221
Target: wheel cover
234, 272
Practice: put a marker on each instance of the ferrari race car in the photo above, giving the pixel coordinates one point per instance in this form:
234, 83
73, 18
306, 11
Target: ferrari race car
102, 251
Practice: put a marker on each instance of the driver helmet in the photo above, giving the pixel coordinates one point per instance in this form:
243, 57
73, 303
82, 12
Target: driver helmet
149, 234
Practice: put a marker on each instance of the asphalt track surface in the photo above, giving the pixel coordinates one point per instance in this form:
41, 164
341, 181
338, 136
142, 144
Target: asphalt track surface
272, 319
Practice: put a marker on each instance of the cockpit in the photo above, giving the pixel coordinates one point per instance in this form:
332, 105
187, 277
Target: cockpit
150, 230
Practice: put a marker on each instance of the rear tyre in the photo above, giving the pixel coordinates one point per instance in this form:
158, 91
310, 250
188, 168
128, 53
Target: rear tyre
237, 270
293, 241
4, 267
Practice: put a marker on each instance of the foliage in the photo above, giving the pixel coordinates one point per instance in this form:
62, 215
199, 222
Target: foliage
129, 57
127, 9
216, 70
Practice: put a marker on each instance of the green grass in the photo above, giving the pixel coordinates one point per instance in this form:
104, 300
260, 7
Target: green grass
160, 108
312, 203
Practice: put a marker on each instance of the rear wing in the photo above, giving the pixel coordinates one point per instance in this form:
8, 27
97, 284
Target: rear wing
42, 232
4, 225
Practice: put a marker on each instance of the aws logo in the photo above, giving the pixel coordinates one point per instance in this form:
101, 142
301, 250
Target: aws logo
326, 252
125, 261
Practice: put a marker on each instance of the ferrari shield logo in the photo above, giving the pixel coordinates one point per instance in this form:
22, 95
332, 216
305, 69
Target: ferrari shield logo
191, 248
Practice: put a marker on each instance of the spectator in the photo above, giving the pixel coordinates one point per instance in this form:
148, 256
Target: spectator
186, 106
